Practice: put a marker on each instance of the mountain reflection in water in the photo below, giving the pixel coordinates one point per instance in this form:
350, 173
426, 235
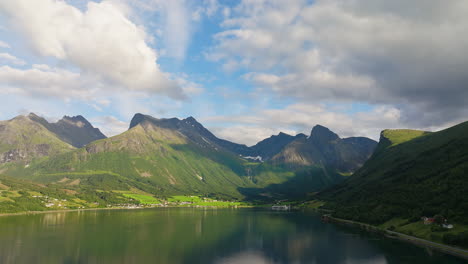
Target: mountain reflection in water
189, 235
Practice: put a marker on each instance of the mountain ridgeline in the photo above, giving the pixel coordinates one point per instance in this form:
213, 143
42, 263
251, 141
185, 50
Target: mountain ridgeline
165, 157
202, 137
25, 138
75, 130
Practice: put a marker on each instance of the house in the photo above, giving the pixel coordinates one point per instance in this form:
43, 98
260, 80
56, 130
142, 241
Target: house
428, 220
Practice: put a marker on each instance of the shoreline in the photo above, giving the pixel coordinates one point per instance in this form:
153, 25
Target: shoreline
112, 208
71, 210
447, 249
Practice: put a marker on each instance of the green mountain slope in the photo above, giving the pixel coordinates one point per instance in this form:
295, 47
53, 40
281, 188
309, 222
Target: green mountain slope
148, 157
23, 139
412, 174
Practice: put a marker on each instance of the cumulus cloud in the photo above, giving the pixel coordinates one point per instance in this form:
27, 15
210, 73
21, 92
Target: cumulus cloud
411, 55
7, 58
41, 80
100, 41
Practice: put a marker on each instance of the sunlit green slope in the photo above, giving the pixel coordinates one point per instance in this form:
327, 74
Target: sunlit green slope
147, 157
411, 174
22, 140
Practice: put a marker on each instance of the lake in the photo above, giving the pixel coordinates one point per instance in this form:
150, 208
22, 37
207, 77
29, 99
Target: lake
196, 235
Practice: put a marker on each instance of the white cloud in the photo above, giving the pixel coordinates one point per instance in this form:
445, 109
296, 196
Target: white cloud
207, 8
300, 118
101, 41
189, 87
379, 52
245, 134
42, 80
177, 28
110, 125
172, 22
4, 45
8, 58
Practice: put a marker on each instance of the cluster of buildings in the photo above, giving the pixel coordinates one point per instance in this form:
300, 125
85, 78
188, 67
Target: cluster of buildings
55, 202
432, 220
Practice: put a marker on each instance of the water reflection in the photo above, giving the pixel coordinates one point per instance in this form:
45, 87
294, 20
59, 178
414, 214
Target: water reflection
185, 235
252, 257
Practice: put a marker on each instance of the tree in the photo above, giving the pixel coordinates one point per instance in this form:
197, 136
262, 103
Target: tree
439, 219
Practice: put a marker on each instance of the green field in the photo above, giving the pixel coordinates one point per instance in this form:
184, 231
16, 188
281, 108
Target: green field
398, 136
182, 198
142, 199
220, 204
198, 201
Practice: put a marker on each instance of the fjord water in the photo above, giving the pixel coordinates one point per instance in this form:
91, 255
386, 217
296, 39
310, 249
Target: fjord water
194, 235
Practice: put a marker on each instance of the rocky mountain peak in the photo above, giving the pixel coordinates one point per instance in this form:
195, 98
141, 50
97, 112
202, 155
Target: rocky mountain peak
137, 119
322, 134
191, 119
33, 115
78, 121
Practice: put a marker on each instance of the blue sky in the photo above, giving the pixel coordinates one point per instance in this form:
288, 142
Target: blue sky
244, 69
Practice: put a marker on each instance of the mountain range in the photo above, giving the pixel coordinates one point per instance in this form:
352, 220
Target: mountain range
175, 156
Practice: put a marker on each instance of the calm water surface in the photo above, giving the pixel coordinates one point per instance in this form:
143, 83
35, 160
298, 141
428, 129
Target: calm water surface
187, 235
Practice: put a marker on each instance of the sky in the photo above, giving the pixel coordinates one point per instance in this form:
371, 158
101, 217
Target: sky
245, 69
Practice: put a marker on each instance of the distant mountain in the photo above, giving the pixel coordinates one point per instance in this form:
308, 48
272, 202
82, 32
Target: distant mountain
201, 136
75, 130
324, 148
23, 139
411, 174
271, 146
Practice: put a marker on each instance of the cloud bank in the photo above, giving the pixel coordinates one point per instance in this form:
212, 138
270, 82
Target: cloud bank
408, 54
99, 44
